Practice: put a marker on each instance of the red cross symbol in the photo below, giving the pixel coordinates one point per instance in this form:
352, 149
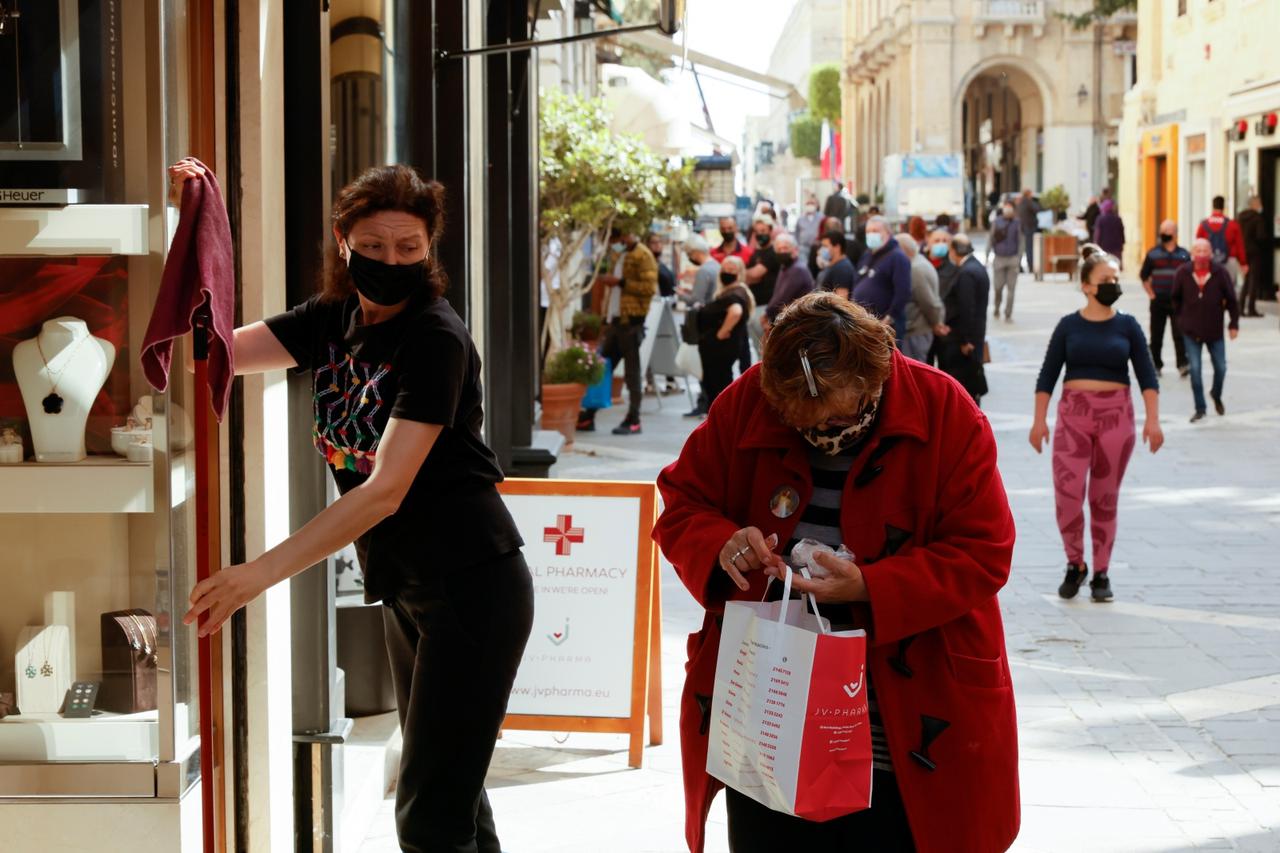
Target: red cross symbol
563, 534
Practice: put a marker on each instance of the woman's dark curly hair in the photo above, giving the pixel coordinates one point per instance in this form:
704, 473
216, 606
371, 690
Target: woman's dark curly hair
398, 188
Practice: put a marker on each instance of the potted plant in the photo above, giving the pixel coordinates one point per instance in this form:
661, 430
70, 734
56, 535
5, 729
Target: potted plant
586, 327
564, 383
1059, 248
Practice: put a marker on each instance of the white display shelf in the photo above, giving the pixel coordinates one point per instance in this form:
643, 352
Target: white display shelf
103, 737
99, 484
76, 229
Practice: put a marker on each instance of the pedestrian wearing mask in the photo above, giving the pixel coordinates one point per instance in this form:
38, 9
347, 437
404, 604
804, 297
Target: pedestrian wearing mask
1094, 437
722, 326
1157, 275
732, 243
924, 311
838, 274
809, 226
1006, 238
698, 281
761, 277
838, 437
398, 419
1108, 231
1257, 240
1028, 213
627, 304
960, 351
794, 279
883, 283
1202, 290
816, 266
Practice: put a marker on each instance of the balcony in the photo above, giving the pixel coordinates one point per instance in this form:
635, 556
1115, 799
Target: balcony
1009, 14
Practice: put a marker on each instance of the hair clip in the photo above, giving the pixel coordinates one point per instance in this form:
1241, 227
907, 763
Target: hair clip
808, 372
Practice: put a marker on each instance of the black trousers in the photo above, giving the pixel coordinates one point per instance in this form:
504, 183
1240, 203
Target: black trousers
623, 344
717, 364
1161, 311
455, 638
1252, 287
883, 828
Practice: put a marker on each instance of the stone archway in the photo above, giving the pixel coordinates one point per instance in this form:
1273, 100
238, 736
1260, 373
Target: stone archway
1003, 105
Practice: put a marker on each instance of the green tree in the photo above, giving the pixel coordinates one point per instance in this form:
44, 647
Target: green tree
824, 93
806, 136
1098, 12
590, 180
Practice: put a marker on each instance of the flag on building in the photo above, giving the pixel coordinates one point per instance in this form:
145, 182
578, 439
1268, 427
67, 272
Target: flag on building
829, 153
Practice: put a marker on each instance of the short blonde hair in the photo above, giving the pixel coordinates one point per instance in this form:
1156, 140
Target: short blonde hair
850, 352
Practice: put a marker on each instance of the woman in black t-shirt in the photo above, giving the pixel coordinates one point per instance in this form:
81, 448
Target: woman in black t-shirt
397, 417
722, 328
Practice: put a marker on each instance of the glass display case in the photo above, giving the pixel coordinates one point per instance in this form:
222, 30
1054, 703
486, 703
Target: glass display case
97, 510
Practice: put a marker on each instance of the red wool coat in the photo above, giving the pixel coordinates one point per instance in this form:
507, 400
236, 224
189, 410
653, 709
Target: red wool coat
926, 515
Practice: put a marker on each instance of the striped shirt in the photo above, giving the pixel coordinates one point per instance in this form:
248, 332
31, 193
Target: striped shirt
821, 521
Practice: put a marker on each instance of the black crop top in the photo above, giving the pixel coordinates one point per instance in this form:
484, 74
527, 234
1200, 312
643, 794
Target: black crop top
1098, 350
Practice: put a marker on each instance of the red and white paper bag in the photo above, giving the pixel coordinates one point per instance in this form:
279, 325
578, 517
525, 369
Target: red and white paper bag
789, 720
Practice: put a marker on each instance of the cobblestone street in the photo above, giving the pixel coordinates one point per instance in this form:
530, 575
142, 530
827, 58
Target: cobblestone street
1148, 724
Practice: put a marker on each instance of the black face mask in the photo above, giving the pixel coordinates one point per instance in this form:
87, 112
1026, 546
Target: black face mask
1168, 238
728, 235
386, 284
786, 260
762, 239
728, 278
1108, 293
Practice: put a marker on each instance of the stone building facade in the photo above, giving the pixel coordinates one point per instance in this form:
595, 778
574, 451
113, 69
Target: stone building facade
1027, 100
1201, 120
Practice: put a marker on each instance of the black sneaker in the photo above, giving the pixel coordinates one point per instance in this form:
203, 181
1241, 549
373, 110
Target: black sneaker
698, 412
1100, 587
1218, 407
627, 427
1184, 371
1198, 416
1071, 583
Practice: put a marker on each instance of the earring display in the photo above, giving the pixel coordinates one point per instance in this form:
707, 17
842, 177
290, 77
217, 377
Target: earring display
43, 660
129, 660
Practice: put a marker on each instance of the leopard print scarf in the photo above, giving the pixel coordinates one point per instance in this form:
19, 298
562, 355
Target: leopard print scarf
836, 440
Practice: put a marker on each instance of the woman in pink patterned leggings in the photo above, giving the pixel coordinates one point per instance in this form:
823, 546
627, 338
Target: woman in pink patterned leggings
1095, 434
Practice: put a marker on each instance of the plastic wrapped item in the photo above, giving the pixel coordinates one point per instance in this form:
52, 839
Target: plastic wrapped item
804, 552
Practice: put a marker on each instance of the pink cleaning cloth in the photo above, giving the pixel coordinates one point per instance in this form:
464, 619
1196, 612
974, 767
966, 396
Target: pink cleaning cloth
198, 276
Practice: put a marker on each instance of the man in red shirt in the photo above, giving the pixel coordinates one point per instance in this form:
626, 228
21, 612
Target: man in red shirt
733, 242
1223, 234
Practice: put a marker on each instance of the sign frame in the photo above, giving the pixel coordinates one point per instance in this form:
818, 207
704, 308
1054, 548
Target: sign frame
646, 659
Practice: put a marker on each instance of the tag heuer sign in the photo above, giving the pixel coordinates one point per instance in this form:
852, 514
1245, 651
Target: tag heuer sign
48, 197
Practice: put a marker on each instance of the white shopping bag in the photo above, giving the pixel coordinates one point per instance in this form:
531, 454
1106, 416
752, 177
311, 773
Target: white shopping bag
689, 360
789, 720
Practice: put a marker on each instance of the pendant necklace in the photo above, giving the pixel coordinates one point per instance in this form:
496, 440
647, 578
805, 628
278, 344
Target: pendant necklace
53, 403
47, 669
30, 671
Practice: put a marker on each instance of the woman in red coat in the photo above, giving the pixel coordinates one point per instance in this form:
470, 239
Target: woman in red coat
836, 436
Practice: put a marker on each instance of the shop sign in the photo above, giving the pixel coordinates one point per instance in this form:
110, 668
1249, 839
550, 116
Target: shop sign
596, 627
1196, 144
1126, 48
45, 197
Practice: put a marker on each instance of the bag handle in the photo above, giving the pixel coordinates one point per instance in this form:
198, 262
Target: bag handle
786, 599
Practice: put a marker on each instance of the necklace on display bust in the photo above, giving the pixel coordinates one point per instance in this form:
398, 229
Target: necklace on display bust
47, 669
53, 402
30, 671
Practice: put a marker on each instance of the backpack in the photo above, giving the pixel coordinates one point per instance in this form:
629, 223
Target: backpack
1218, 239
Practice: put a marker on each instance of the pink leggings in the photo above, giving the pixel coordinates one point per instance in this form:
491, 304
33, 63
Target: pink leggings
1093, 441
